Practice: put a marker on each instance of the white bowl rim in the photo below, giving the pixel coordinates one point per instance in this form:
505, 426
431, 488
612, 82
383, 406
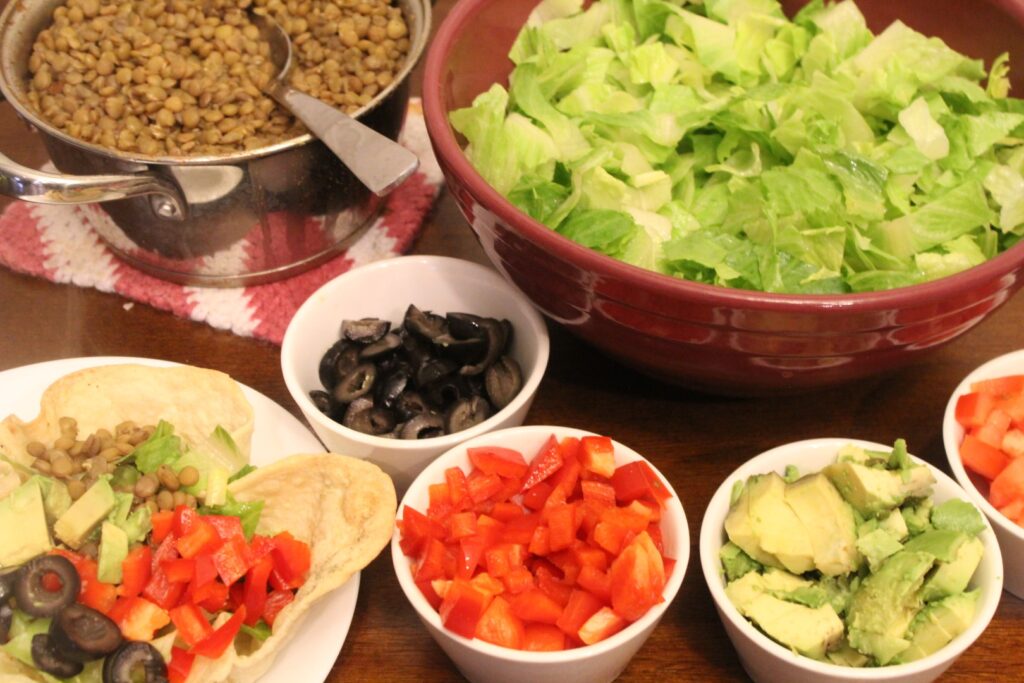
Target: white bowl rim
531, 380
673, 508
714, 528
953, 434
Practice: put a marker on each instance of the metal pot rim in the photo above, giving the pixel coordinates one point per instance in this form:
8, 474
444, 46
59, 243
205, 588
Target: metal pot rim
9, 26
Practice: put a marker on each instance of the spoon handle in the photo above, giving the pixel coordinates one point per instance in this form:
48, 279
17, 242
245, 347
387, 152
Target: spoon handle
377, 161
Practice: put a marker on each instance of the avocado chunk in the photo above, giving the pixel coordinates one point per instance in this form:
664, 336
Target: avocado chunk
740, 529
896, 525
877, 546
23, 520
939, 623
113, 551
885, 603
735, 562
958, 515
56, 499
85, 514
942, 544
829, 522
779, 531
809, 631
950, 578
844, 655
916, 516
872, 490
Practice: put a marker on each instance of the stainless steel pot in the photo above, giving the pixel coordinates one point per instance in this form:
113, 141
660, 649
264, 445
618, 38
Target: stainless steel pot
237, 219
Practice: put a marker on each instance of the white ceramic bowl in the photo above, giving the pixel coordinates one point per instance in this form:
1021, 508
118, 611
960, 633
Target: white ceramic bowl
767, 661
384, 289
482, 662
1011, 536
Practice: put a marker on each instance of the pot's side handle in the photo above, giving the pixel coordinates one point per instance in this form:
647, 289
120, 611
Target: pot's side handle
31, 185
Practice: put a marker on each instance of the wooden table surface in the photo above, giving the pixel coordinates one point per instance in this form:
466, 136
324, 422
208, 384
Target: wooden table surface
695, 440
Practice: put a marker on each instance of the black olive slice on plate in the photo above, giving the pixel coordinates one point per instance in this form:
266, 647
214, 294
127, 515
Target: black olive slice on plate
6, 619
365, 330
466, 413
384, 346
423, 426
410, 404
495, 336
424, 323
32, 596
503, 380
462, 351
322, 401
356, 383
135, 662
432, 370
46, 659
364, 417
82, 634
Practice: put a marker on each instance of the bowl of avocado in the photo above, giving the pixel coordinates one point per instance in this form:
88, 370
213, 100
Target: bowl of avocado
840, 560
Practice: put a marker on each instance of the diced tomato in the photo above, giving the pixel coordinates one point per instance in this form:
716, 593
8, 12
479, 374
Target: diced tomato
191, 624
180, 570
1013, 443
201, 538
581, 606
161, 591
972, 409
638, 578
140, 619
163, 523
543, 638
432, 565
1000, 386
602, 624
498, 625
562, 526
597, 455
184, 519
212, 597
278, 600
231, 560
214, 645
596, 581
535, 497
1009, 485
503, 462
416, 529
256, 589
227, 526
982, 458
458, 492
135, 571
462, 607
482, 486
180, 665
547, 461
994, 429
293, 558
534, 605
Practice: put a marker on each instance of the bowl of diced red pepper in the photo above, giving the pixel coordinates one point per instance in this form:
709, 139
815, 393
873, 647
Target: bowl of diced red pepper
983, 432
540, 554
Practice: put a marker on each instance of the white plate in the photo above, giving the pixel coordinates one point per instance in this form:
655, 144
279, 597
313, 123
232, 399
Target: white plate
311, 652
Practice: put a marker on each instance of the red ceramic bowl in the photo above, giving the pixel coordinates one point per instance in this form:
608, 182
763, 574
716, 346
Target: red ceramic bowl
712, 338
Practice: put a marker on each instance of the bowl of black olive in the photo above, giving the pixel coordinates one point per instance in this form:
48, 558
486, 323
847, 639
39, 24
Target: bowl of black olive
400, 360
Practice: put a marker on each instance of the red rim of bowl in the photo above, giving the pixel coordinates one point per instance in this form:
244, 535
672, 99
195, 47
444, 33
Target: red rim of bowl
448, 148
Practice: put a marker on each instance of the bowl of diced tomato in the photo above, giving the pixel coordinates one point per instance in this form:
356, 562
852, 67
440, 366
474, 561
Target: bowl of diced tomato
983, 432
540, 554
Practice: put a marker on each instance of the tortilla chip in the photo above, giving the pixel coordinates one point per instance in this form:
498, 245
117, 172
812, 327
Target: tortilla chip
194, 400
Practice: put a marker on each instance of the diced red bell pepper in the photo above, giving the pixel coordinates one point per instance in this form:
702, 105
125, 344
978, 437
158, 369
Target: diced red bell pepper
161, 591
201, 538
598, 492
227, 526
471, 551
438, 494
232, 560
503, 462
432, 565
602, 624
212, 597
506, 511
462, 607
638, 578
214, 645
458, 491
488, 584
1013, 443
518, 579
534, 605
1009, 485
135, 570
261, 546
256, 589
180, 570
596, 581
278, 600
632, 518
540, 542
597, 455
552, 585
562, 526
1009, 385
191, 624
535, 496
180, 665
427, 588
567, 477
500, 626
636, 480
543, 638
416, 529
510, 487
581, 606
520, 529
972, 409
236, 596
547, 461
293, 558
205, 571
610, 536
994, 429
140, 619
482, 486
184, 519
98, 595
163, 524
463, 524
979, 457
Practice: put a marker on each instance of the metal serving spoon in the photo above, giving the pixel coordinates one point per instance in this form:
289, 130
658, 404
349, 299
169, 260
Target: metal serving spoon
377, 161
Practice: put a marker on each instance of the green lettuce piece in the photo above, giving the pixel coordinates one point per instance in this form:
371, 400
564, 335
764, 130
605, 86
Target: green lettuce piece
249, 513
161, 448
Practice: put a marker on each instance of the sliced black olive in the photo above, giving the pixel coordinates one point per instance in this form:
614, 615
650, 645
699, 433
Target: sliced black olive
495, 335
503, 380
409, 405
424, 323
48, 661
466, 413
382, 347
328, 370
81, 634
506, 326
132, 659
465, 326
433, 370
447, 390
347, 360
33, 598
363, 417
462, 351
364, 330
322, 401
393, 385
423, 426
6, 618
356, 383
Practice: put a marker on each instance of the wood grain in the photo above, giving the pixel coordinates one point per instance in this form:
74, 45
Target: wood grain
696, 440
